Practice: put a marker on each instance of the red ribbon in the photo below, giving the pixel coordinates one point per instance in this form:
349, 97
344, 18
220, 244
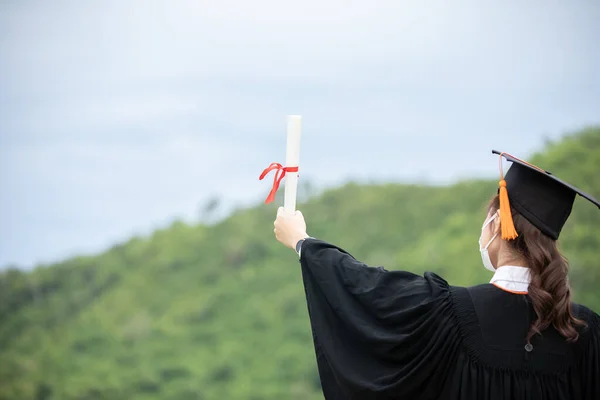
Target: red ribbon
281, 171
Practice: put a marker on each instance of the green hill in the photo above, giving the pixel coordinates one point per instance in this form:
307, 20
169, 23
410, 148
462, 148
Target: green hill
218, 312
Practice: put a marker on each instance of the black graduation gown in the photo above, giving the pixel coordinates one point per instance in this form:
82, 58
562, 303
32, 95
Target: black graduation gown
382, 334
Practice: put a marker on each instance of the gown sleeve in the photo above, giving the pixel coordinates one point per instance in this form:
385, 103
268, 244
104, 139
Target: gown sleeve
590, 362
377, 333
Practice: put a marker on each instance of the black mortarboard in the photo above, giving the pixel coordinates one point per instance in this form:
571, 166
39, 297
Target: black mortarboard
540, 197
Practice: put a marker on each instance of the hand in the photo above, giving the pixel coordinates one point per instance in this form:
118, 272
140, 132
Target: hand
290, 227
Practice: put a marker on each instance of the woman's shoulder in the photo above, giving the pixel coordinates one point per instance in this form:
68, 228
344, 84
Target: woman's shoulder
587, 315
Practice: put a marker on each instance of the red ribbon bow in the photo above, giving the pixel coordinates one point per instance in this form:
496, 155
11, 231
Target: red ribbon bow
281, 171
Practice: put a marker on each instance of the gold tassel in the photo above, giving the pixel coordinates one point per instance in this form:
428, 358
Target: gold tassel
506, 221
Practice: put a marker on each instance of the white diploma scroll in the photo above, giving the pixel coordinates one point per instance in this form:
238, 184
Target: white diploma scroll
294, 129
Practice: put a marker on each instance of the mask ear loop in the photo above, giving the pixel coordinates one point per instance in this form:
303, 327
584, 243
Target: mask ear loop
491, 240
492, 218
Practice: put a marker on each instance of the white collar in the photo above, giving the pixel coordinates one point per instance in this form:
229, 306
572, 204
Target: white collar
512, 279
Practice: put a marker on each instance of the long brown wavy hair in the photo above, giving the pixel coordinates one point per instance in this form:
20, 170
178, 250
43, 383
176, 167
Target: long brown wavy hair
549, 289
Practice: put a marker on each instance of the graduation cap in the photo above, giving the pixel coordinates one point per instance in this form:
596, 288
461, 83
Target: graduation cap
540, 197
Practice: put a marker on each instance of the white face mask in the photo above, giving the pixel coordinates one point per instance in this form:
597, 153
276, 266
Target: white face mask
485, 257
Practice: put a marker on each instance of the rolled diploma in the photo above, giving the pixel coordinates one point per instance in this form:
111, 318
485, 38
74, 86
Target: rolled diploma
294, 129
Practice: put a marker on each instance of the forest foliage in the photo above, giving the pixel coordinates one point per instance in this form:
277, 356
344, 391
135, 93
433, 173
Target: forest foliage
218, 311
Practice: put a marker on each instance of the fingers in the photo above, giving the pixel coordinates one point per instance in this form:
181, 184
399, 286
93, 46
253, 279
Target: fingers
282, 211
282, 215
286, 220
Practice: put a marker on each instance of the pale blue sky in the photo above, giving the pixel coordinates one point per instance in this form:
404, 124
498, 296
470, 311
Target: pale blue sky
118, 116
